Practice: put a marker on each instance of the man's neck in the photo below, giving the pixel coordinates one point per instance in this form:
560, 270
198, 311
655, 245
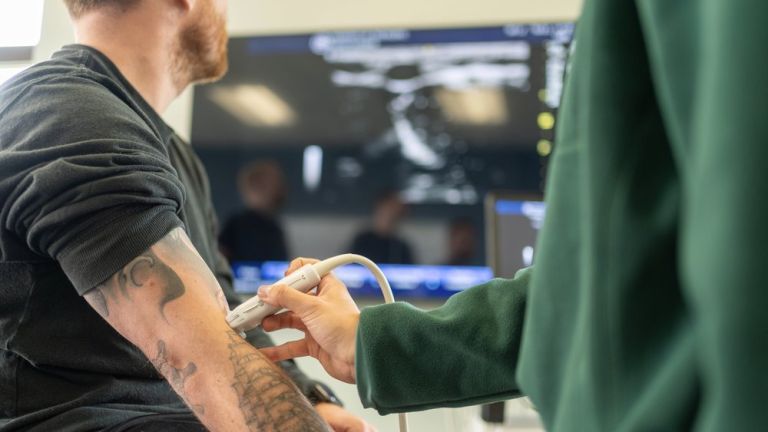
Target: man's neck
383, 227
143, 56
260, 205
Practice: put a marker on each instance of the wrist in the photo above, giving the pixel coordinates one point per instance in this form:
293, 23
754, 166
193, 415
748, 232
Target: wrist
351, 342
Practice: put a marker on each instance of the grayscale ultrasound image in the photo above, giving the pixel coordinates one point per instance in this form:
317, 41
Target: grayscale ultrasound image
442, 116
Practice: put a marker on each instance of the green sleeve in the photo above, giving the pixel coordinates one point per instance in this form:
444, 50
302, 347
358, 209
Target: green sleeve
710, 65
463, 353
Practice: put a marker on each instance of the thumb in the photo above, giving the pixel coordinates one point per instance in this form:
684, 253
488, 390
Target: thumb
288, 298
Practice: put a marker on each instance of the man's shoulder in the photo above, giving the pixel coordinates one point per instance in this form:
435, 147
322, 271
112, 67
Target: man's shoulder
247, 220
56, 83
369, 239
57, 102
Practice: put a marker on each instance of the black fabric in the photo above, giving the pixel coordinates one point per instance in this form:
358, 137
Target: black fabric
382, 249
90, 176
161, 423
80, 151
253, 236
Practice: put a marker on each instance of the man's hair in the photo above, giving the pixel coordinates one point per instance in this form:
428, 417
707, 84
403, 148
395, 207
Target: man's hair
78, 7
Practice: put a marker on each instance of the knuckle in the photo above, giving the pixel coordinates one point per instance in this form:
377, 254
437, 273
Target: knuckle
277, 291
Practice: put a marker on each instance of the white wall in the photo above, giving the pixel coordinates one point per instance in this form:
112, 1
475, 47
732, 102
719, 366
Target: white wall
279, 16
248, 17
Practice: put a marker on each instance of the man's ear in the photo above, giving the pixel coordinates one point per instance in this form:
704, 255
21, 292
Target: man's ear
184, 5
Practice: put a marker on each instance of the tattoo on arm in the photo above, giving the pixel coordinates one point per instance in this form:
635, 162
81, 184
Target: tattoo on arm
149, 272
175, 376
183, 244
145, 271
267, 399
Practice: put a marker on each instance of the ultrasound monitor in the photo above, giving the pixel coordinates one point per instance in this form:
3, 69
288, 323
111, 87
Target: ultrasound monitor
440, 115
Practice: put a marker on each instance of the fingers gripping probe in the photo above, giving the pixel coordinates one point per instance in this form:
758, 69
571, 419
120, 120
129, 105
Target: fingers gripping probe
251, 313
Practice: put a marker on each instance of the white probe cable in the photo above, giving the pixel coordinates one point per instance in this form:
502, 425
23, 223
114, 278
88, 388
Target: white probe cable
251, 313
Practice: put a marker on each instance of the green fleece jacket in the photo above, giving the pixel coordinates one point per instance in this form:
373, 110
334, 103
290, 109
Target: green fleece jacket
648, 305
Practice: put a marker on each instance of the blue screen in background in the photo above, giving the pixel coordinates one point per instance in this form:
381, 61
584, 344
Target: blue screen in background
407, 281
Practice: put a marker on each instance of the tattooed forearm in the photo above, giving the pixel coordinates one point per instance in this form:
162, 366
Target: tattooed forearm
267, 399
144, 272
175, 376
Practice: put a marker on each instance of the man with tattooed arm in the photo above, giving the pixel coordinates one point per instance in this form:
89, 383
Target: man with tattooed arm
112, 313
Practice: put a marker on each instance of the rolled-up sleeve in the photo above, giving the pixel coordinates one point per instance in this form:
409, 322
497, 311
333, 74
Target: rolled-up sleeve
86, 180
463, 353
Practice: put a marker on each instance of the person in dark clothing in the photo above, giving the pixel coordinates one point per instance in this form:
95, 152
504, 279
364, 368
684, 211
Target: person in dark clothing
461, 243
254, 234
113, 294
380, 242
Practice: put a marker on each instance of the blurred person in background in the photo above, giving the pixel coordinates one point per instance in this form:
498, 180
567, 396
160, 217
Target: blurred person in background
461, 243
381, 242
255, 234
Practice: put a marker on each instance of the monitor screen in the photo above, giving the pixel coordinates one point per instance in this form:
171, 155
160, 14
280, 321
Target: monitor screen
512, 226
440, 115
406, 281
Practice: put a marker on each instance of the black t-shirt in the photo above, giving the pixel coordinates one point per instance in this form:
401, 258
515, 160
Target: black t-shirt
90, 176
253, 236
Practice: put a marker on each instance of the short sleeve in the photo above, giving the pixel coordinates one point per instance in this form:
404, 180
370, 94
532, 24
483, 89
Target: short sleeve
85, 179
